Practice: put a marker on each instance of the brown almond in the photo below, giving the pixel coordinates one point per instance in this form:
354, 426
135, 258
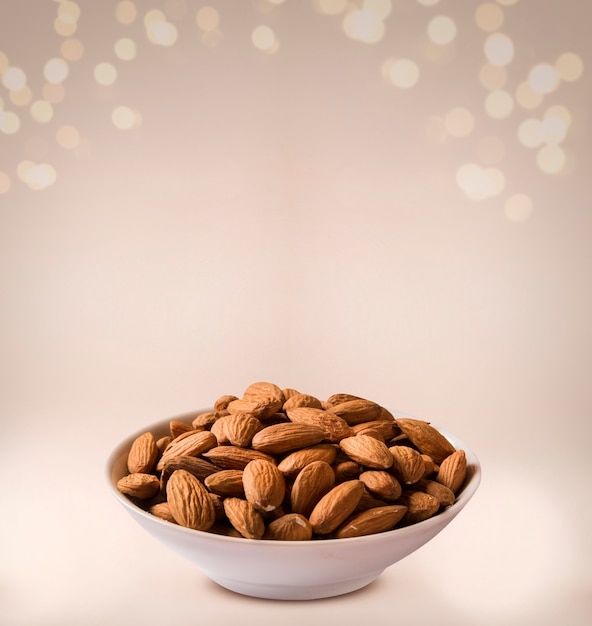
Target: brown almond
367, 451
453, 471
357, 411
426, 438
139, 485
269, 398
163, 443
429, 465
240, 428
314, 481
226, 483
177, 427
191, 443
244, 518
346, 470
233, 457
162, 510
420, 506
372, 521
200, 468
204, 421
264, 485
289, 527
408, 465
334, 427
286, 437
143, 454
444, 495
388, 430
222, 402
339, 398
299, 400
189, 501
291, 464
381, 484
335, 506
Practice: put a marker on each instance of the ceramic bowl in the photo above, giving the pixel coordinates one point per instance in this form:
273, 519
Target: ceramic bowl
290, 570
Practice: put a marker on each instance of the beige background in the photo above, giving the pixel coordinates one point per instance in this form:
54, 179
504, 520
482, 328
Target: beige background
292, 214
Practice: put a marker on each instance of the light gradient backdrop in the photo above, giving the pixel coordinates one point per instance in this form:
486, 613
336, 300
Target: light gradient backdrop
385, 198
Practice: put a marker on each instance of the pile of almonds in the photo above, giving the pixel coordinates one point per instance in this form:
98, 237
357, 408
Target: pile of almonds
280, 464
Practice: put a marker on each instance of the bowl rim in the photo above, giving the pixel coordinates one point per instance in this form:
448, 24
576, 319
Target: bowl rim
443, 517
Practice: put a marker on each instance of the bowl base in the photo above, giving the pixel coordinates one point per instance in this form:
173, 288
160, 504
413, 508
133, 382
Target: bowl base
295, 592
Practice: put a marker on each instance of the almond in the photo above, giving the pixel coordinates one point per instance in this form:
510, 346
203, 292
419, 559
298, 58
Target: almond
291, 464
357, 411
162, 510
189, 501
426, 438
453, 471
139, 485
334, 427
200, 468
339, 398
443, 494
299, 400
346, 470
239, 428
244, 518
191, 443
314, 481
204, 421
281, 438
420, 506
388, 430
408, 465
289, 527
264, 485
222, 402
143, 454
367, 451
226, 483
372, 521
232, 457
381, 484
178, 427
335, 506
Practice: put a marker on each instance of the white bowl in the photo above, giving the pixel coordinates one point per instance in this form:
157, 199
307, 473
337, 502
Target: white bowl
290, 570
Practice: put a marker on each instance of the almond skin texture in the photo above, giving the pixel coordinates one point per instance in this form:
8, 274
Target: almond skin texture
367, 451
357, 411
226, 483
189, 501
420, 506
244, 518
240, 428
335, 427
139, 485
231, 457
294, 462
408, 465
163, 511
375, 520
334, 507
142, 455
191, 443
264, 485
289, 527
443, 494
311, 484
381, 484
301, 399
453, 471
281, 438
426, 438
